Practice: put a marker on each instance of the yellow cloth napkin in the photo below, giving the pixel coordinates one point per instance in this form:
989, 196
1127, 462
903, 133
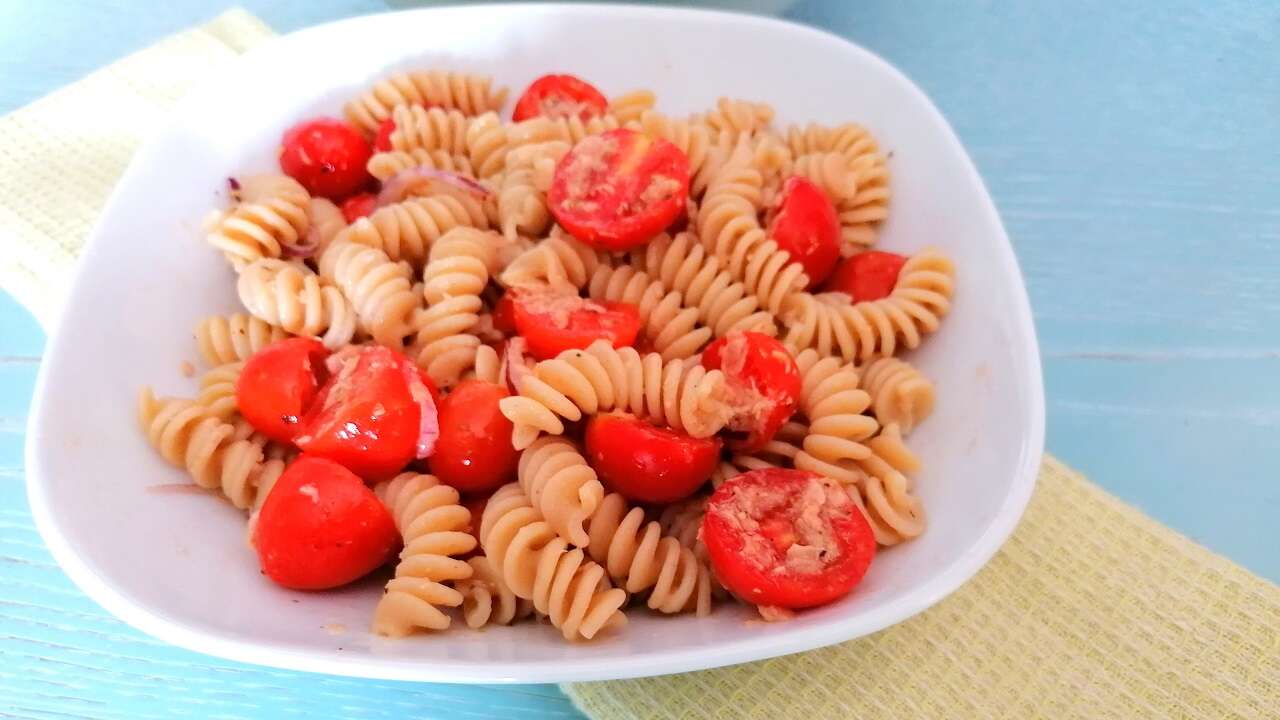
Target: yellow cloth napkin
1091, 610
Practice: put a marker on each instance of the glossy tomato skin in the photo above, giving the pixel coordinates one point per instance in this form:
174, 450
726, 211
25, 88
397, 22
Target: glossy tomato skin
869, 275
550, 332
763, 377
474, 453
321, 527
807, 227
559, 96
376, 413
382, 138
278, 384
617, 190
754, 519
645, 463
358, 206
327, 156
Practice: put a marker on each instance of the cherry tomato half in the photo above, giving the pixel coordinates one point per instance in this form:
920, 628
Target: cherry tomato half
358, 206
559, 96
869, 275
504, 315
382, 139
764, 383
279, 383
786, 538
645, 463
376, 413
617, 190
552, 322
322, 527
327, 156
806, 226
474, 452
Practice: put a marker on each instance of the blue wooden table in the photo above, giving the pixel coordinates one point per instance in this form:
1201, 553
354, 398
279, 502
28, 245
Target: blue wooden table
1133, 153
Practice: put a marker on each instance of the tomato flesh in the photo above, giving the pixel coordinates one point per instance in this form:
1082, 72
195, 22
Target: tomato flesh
382, 139
278, 384
786, 538
358, 206
560, 96
617, 190
376, 413
764, 383
552, 322
645, 463
869, 275
474, 452
807, 227
321, 527
504, 315
327, 156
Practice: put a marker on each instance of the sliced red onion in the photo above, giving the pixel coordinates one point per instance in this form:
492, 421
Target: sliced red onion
514, 362
305, 249
428, 416
398, 186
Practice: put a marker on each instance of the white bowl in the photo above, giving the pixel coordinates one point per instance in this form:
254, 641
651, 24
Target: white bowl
176, 566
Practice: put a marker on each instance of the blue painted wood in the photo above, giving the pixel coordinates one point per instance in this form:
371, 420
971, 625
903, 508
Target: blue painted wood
1131, 150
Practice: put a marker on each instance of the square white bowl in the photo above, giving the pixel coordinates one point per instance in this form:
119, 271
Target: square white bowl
176, 565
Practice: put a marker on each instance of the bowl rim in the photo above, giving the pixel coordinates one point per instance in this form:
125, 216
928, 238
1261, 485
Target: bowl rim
156, 623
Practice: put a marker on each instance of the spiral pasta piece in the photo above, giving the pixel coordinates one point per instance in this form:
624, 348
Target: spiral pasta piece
889, 447
738, 117
386, 165
573, 591
218, 391
832, 324
900, 394
406, 230
326, 221
270, 213
895, 514
639, 558
486, 599
629, 107
291, 296
560, 261
379, 289
561, 485
222, 339
433, 524
833, 403
571, 129
488, 140
420, 128
188, 436
672, 329
830, 171
860, 211
724, 304
455, 275
705, 150
730, 229
683, 396
467, 93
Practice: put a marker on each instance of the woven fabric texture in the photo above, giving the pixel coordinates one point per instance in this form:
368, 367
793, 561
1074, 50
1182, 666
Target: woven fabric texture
1091, 610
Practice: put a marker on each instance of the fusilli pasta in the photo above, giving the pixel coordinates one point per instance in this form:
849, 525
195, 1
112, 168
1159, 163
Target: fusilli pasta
558, 261
434, 527
218, 391
386, 165
420, 128
378, 288
468, 93
406, 230
270, 212
900, 394
537, 564
561, 485
456, 273
291, 296
227, 338
834, 405
486, 599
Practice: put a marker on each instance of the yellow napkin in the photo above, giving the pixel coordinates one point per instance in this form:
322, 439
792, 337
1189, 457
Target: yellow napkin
1091, 610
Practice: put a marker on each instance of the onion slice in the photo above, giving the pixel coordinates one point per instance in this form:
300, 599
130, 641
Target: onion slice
414, 179
428, 415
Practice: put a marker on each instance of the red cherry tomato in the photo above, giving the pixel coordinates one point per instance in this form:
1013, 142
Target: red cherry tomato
382, 139
504, 314
786, 538
645, 463
559, 96
321, 527
869, 275
764, 382
279, 383
375, 414
358, 206
553, 322
617, 190
806, 226
474, 452
327, 156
